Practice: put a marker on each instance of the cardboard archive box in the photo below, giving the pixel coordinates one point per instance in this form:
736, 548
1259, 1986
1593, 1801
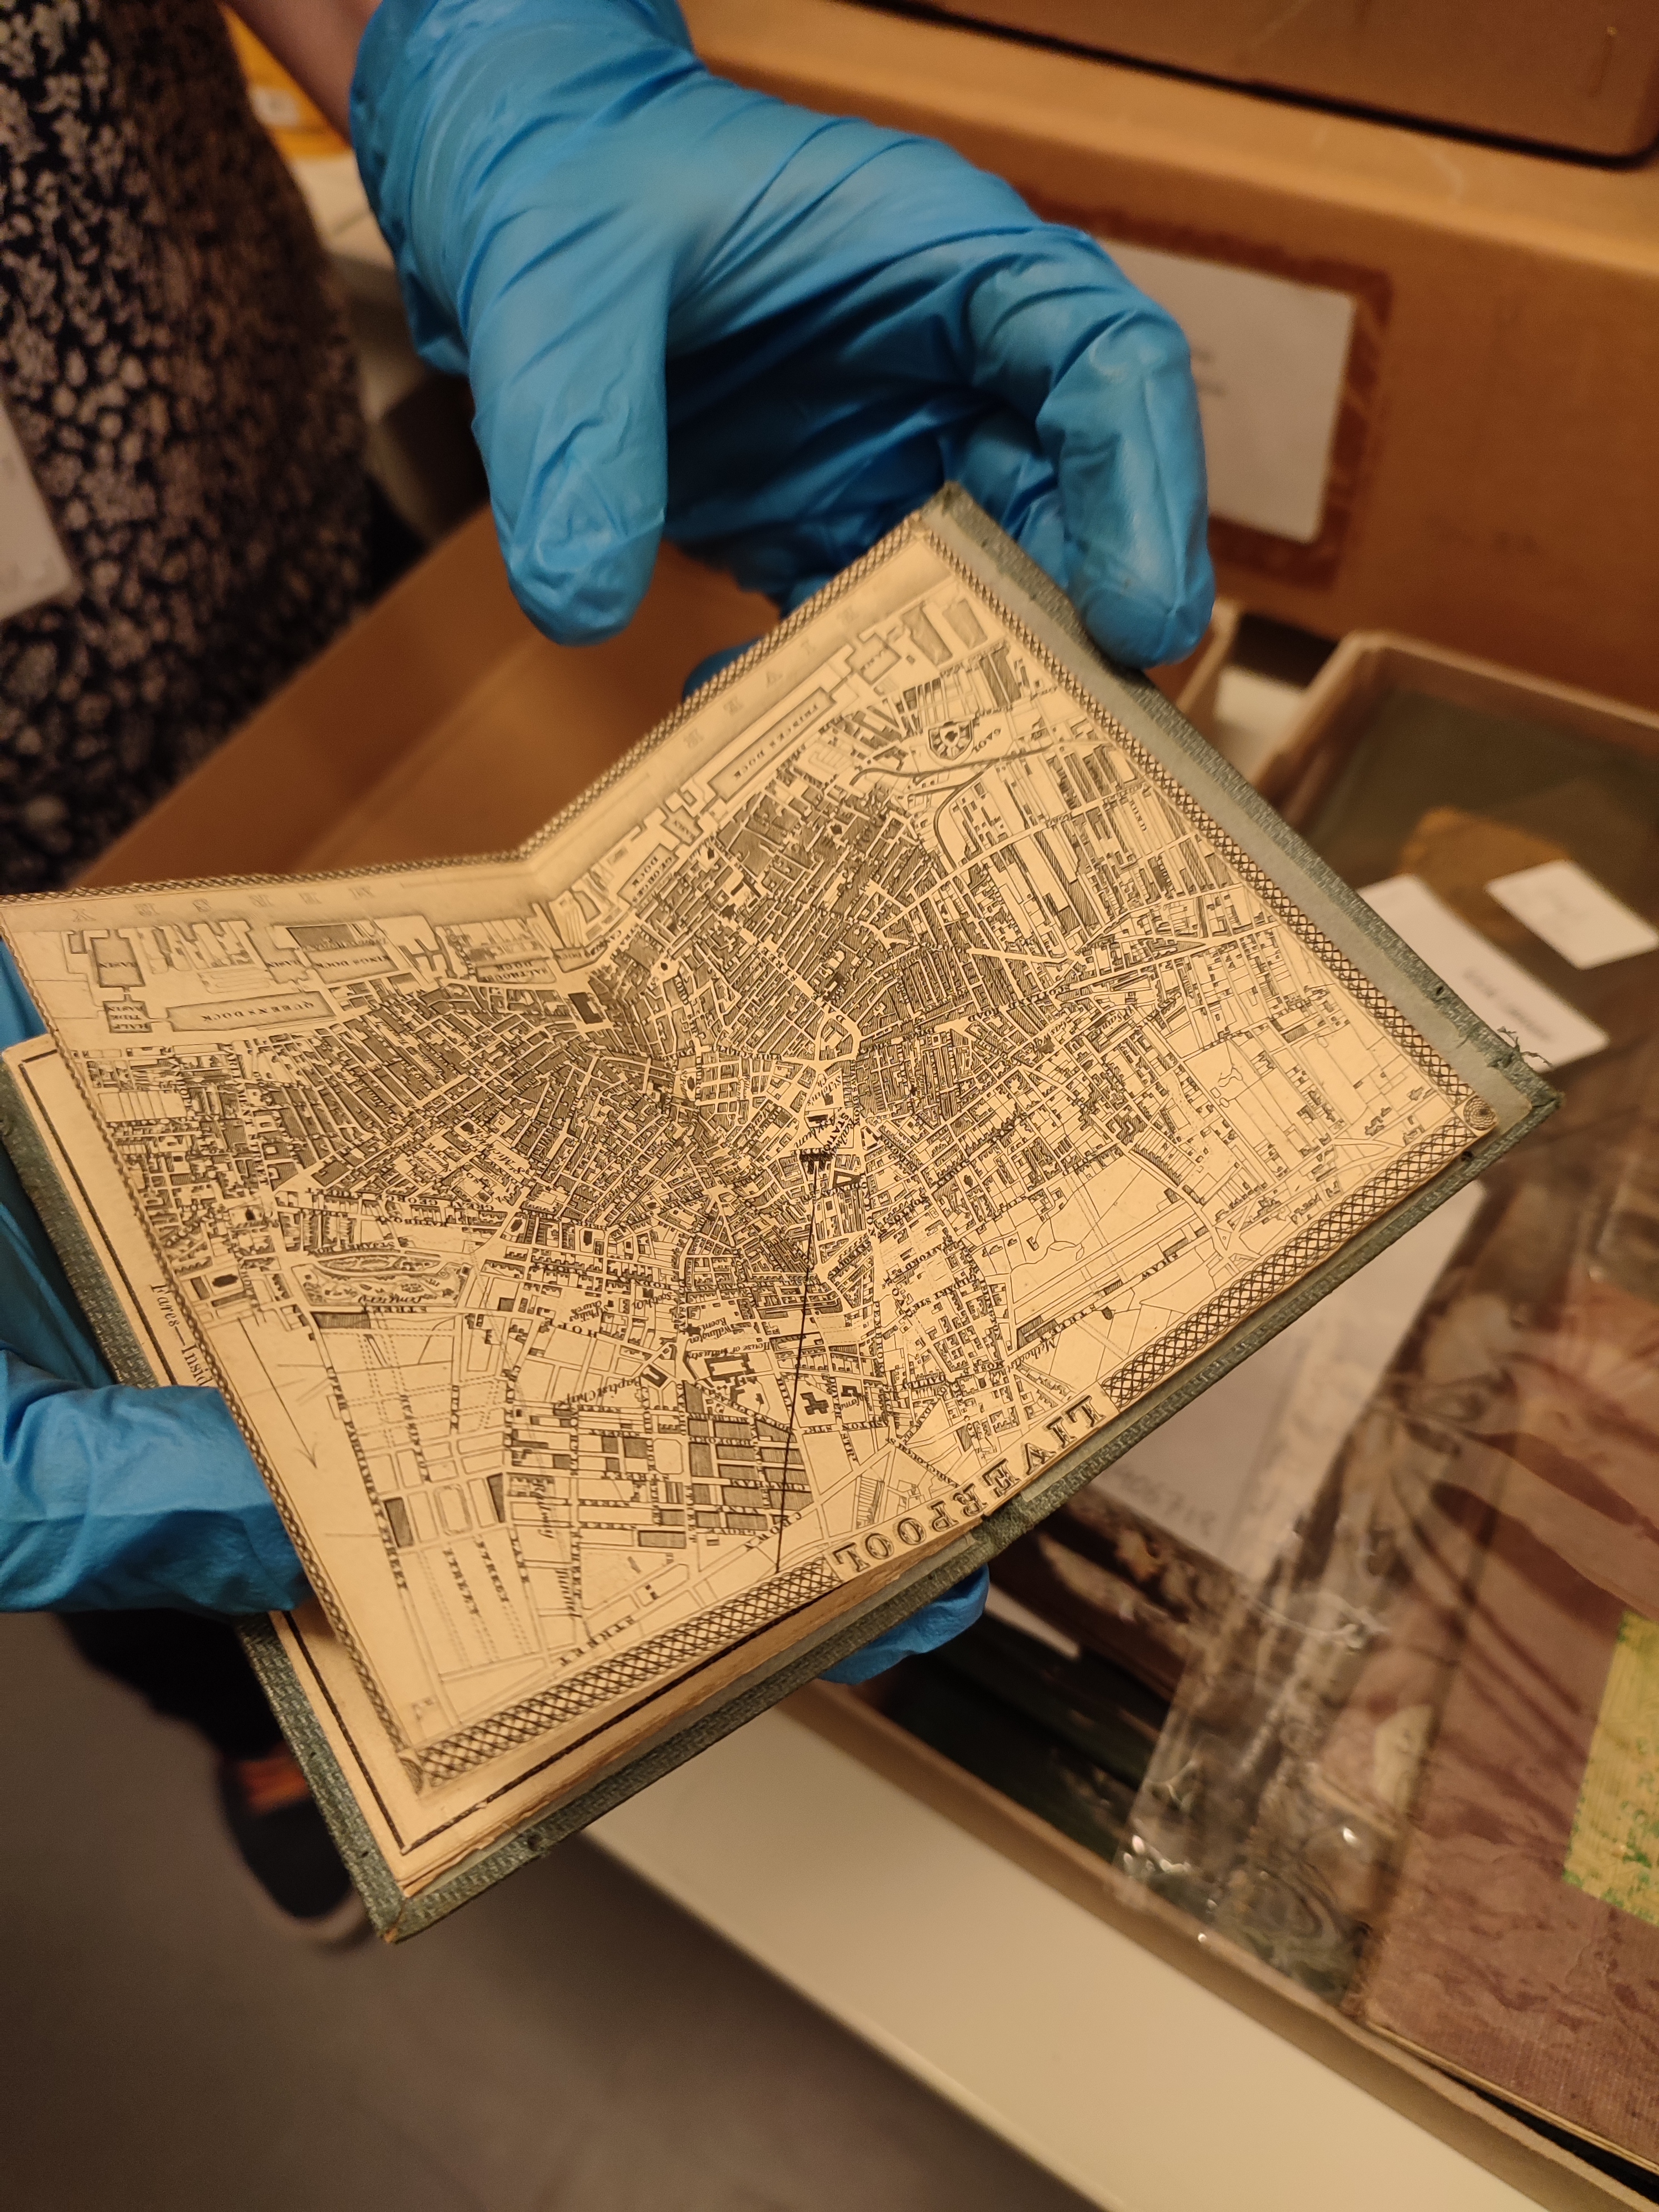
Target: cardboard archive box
1427, 368
1367, 666
1518, 1943
1565, 72
442, 723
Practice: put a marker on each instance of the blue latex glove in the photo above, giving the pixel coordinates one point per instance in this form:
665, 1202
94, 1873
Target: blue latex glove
112, 1497
925, 1631
691, 308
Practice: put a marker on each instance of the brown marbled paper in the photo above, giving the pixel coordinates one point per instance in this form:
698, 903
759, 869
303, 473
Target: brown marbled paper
1491, 1959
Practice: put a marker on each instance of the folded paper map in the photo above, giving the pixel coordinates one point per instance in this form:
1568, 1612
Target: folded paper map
646, 1263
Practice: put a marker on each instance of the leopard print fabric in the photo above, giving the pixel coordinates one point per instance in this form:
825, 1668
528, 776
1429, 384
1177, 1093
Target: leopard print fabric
182, 382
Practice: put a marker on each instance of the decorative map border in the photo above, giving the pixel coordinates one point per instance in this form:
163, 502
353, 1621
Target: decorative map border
480, 1741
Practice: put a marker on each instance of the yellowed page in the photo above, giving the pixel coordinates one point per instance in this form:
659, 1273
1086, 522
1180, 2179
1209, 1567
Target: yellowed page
421, 1831
884, 1078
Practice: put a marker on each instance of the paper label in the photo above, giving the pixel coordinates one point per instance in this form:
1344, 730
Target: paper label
1549, 1032
1573, 915
33, 564
1269, 356
1615, 1851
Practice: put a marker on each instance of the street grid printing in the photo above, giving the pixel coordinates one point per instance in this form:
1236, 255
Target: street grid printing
782, 1193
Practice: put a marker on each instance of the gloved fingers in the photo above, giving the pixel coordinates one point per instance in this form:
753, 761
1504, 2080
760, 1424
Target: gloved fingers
989, 450
41, 1317
1000, 459
935, 1624
114, 1498
1060, 396
573, 429
785, 484
174, 1504
829, 501
1105, 378
19, 1016
245, 1561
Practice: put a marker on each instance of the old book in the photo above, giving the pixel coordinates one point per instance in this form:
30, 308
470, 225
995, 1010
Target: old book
646, 1263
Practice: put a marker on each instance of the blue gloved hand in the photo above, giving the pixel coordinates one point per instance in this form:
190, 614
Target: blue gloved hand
112, 1497
925, 1631
691, 308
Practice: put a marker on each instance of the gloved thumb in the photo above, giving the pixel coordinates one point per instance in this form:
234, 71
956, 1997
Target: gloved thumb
1103, 377
573, 433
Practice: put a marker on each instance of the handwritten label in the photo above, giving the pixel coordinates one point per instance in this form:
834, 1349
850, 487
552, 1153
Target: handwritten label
1575, 917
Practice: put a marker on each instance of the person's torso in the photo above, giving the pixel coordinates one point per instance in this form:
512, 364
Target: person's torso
182, 385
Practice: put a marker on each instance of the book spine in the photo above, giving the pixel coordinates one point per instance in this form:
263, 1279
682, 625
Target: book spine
377, 1884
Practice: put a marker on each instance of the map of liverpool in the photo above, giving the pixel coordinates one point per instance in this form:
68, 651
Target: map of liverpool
886, 1078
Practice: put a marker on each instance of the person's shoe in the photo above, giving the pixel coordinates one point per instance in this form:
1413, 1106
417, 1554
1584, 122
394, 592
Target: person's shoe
285, 1845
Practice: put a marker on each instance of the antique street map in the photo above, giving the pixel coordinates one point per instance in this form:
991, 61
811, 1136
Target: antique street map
624, 1254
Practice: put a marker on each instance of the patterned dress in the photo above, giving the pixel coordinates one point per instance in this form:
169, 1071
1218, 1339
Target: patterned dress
182, 382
